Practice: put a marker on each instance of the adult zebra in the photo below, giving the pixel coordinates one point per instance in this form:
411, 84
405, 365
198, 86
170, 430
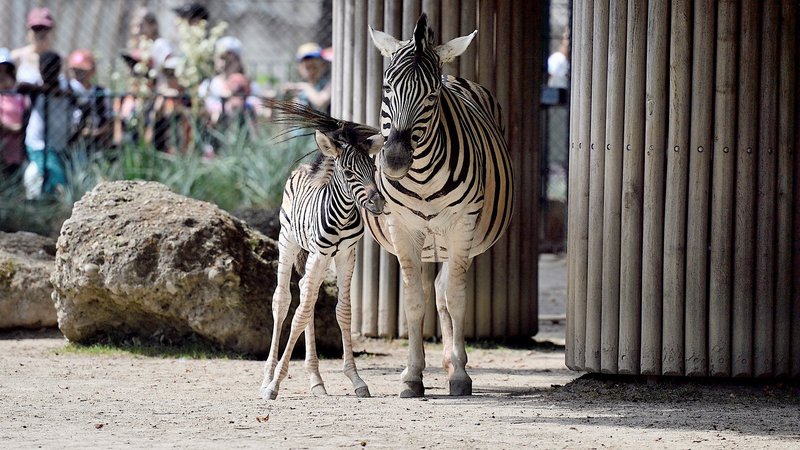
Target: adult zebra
447, 179
320, 221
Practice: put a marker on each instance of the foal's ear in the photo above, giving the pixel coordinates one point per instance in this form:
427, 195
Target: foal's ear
449, 51
375, 143
326, 145
385, 43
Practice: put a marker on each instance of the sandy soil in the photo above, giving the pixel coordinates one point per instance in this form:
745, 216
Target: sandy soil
54, 398
50, 397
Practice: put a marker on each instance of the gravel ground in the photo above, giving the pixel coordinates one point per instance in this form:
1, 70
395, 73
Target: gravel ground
55, 397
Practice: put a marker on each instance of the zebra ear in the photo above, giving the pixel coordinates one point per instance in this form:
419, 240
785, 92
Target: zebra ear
384, 42
375, 144
326, 145
449, 51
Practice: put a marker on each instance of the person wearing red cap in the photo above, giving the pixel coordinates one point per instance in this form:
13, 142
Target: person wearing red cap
40, 37
93, 101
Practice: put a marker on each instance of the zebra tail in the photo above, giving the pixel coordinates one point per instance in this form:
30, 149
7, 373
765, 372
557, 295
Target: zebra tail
300, 262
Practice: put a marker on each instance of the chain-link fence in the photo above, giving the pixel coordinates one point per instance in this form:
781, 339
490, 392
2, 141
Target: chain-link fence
103, 76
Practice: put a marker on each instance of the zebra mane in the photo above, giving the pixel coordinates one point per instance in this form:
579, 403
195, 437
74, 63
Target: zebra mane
300, 117
423, 36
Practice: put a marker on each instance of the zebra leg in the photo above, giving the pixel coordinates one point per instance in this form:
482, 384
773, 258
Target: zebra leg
281, 300
460, 382
444, 319
309, 289
312, 361
345, 262
414, 304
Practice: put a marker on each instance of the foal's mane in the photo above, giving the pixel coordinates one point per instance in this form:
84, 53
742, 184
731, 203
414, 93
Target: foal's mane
301, 118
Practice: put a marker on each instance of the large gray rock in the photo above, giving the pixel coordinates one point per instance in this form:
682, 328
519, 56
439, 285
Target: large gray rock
136, 259
26, 261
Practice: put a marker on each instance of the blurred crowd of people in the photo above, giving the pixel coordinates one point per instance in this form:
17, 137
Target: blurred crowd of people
50, 105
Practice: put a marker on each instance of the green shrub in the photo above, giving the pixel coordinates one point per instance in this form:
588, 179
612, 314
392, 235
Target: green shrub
245, 173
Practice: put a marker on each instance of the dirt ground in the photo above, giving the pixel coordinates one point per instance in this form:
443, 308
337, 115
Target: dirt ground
51, 397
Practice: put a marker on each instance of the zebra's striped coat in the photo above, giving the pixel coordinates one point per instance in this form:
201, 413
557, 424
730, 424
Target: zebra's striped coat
320, 216
446, 174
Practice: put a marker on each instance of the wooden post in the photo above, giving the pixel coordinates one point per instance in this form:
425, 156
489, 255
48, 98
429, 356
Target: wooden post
795, 363
700, 143
722, 193
594, 288
499, 251
744, 226
575, 94
765, 218
612, 186
512, 242
787, 127
653, 221
680, 88
337, 72
632, 183
581, 194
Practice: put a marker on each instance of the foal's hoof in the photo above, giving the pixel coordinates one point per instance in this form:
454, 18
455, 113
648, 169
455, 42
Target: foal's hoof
319, 390
412, 389
461, 387
268, 394
363, 392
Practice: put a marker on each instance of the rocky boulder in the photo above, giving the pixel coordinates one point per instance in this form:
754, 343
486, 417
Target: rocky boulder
26, 261
137, 260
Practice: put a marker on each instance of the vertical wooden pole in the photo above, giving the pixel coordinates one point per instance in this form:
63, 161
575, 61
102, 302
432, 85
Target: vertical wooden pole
655, 149
787, 127
630, 280
594, 286
795, 363
449, 26
700, 142
338, 69
612, 186
468, 61
389, 287
722, 192
744, 226
680, 89
575, 94
581, 194
765, 218
498, 253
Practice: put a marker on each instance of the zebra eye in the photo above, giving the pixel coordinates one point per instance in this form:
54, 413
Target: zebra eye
431, 97
387, 90
348, 173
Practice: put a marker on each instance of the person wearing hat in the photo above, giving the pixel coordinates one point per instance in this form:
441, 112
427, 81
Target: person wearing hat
93, 101
12, 108
315, 89
192, 13
40, 37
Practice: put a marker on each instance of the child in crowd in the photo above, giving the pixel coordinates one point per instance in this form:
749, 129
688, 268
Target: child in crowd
95, 118
12, 108
49, 130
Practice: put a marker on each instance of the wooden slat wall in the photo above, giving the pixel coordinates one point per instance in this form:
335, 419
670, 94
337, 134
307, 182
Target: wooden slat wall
501, 288
701, 259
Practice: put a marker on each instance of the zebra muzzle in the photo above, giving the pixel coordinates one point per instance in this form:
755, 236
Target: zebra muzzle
375, 203
396, 156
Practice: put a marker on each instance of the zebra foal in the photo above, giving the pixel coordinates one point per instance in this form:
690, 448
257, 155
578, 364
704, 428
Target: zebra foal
320, 215
446, 174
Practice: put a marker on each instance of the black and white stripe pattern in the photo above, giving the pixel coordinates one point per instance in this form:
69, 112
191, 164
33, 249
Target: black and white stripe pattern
446, 174
320, 216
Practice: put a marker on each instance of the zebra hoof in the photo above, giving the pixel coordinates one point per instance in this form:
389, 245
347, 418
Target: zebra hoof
319, 390
363, 392
268, 394
460, 387
412, 389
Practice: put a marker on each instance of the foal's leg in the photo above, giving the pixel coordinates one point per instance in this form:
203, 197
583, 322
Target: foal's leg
345, 262
309, 289
312, 361
281, 300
